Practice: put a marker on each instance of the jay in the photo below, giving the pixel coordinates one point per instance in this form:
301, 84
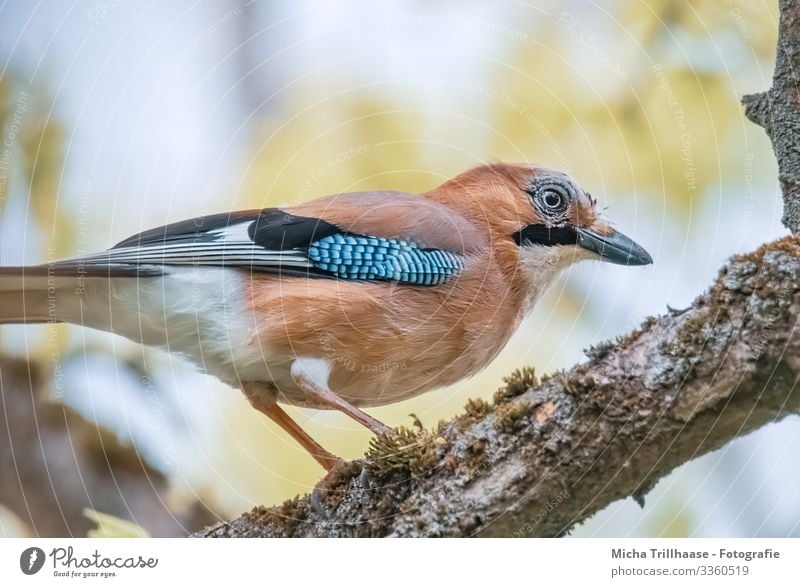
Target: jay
344, 302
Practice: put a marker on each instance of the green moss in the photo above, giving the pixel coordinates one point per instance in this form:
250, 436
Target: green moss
511, 416
626, 340
600, 350
789, 245
690, 337
284, 518
516, 383
475, 409
545, 378
414, 451
568, 380
578, 382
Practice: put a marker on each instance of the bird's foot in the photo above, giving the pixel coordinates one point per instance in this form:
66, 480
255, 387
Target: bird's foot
323, 497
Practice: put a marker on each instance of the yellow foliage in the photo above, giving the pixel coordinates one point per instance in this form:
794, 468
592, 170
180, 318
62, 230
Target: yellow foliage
109, 526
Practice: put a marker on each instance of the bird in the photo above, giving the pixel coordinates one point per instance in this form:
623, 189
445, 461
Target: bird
344, 302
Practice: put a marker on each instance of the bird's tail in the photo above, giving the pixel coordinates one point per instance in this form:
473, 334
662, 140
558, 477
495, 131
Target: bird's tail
23, 295
30, 295
53, 293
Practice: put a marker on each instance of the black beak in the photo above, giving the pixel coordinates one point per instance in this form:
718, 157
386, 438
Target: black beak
614, 248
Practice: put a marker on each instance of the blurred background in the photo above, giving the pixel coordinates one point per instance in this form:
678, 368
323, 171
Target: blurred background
117, 116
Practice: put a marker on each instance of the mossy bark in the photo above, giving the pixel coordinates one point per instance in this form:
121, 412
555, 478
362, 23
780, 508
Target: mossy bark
540, 460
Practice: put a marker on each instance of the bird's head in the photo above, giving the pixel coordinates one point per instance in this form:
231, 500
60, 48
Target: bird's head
564, 215
541, 217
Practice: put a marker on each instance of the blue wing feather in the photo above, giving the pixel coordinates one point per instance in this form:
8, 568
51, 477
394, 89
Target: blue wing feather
376, 258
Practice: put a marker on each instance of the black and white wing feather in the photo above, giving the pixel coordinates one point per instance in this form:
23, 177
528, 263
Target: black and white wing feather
275, 241
264, 240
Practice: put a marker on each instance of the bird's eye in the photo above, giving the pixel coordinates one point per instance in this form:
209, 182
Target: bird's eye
553, 200
551, 195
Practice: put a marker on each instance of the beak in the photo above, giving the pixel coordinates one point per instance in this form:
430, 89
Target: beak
613, 248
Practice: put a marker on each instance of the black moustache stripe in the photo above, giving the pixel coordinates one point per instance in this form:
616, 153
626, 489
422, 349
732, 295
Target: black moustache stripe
539, 234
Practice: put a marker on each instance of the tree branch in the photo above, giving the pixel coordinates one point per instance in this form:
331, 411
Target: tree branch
548, 454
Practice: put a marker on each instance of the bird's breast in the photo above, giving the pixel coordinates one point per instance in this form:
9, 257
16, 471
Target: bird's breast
383, 342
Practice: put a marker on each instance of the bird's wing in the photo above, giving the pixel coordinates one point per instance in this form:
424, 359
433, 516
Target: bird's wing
334, 243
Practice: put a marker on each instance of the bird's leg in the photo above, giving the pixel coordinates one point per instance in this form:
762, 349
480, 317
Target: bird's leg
311, 375
338, 470
267, 405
